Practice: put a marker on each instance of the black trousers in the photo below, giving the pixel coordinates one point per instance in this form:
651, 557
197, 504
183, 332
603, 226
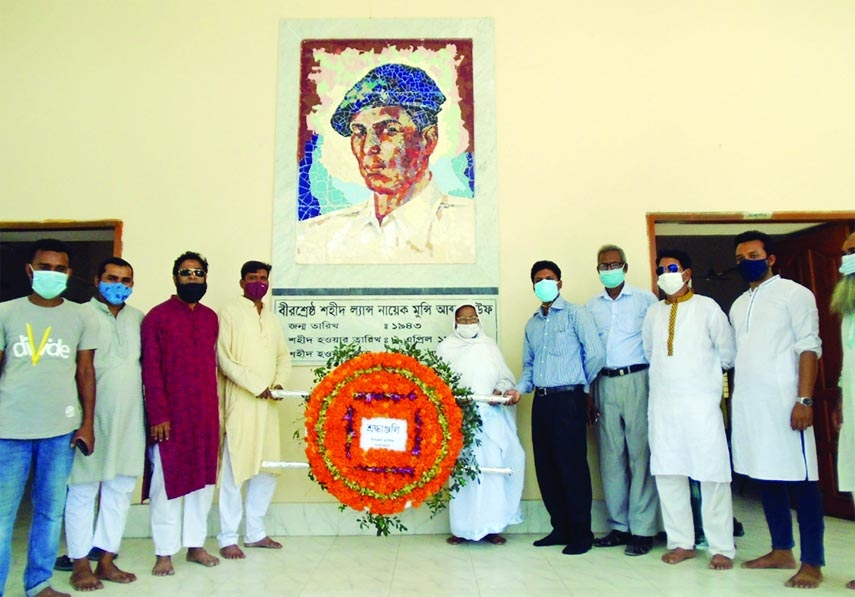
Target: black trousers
560, 442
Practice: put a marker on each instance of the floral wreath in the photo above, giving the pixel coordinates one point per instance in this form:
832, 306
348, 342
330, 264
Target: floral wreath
408, 394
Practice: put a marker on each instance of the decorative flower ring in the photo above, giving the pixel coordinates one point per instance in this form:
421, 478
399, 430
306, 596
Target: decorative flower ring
383, 431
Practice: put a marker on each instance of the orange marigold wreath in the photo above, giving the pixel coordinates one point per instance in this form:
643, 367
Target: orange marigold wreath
394, 386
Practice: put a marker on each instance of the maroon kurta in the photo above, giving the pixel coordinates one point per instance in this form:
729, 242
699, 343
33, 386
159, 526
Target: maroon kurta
179, 369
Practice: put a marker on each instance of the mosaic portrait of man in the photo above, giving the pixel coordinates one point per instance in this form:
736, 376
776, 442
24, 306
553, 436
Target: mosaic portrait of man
386, 156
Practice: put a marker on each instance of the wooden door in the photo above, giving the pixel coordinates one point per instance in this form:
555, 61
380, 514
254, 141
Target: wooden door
811, 258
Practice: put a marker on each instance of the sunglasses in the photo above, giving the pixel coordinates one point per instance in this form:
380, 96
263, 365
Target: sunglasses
187, 272
671, 267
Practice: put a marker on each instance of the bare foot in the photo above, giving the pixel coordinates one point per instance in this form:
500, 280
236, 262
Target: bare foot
82, 578
495, 539
50, 592
455, 540
107, 570
808, 577
675, 556
266, 543
200, 556
232, 552
850, 584
163, 566
720, 562
777, 558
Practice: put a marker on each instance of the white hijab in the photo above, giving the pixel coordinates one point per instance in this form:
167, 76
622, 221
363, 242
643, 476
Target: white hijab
478, 360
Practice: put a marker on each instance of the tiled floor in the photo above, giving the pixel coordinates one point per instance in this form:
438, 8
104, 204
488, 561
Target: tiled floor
425, 565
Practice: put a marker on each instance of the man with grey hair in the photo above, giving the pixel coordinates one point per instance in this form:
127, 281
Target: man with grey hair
843, 304
391, 117
620, 394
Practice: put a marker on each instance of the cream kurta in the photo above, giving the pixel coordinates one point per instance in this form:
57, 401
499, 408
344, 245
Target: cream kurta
774, 323
846, 441
252, 356
686, 427
119, 407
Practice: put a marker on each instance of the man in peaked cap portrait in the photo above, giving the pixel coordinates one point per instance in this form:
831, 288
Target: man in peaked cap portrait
390, 116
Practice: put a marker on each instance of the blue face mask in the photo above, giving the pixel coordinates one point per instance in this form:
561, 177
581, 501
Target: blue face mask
49, 284
546, 290
612, 278
752, 270
114, 293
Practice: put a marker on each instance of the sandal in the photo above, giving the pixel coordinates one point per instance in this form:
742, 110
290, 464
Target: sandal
495, 539
455, 540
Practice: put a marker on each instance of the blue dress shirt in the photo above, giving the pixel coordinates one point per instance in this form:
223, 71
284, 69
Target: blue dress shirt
561, 348
619, 323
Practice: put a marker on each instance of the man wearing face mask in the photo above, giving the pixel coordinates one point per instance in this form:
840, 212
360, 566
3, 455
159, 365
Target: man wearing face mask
562, 355
47, 406
110, 474
843, 305
688, 341
778, 346
620, 394
179, 366
253, 359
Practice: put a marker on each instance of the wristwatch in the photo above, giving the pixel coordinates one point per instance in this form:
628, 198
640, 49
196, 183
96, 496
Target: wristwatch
803, 400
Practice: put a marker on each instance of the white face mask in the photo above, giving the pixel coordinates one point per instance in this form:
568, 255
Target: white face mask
670, 282
468, 330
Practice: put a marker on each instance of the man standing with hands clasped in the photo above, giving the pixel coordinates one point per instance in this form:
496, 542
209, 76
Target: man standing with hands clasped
253, 358
777, 349
562, 355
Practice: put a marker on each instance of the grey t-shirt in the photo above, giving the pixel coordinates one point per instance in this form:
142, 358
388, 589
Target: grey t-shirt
38, 391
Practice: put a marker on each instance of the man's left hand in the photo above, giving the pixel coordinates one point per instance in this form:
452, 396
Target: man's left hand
593, 412
802, 417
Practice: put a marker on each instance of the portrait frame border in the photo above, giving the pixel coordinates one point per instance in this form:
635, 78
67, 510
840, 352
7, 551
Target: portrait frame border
287, 274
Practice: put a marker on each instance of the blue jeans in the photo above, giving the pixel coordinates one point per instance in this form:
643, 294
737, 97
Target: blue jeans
50, 461
776, 506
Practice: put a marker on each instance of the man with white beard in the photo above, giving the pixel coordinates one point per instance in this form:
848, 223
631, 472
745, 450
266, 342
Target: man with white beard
843, 304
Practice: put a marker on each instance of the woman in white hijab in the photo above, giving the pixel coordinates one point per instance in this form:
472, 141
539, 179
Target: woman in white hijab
484, 507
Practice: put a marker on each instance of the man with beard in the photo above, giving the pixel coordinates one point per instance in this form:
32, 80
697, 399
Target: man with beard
390, 116
843, 304
179, 367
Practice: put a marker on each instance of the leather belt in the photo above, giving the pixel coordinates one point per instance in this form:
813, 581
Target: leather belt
557, 390
623, 370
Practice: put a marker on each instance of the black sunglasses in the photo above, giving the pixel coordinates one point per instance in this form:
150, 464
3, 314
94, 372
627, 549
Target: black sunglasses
671, 267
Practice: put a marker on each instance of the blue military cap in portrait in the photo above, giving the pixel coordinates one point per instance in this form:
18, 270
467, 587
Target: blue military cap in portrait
391, 85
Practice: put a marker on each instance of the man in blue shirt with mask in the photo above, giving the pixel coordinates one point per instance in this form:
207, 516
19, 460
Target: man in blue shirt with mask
620, 394
562, 355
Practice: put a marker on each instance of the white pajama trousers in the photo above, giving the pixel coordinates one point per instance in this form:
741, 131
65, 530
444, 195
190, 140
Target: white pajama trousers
259, 493
170, 528
112, 515
716, 511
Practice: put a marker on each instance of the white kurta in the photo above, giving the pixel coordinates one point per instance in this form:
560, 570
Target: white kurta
491, 502
119, 407
774, 323
846, 441
686, 428
252, 356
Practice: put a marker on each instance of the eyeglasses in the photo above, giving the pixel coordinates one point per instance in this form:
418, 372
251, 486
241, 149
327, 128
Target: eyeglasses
671, 267
604, 267
187, 272
473, 319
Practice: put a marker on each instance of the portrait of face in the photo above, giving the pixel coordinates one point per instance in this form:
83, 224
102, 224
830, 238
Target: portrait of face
393, 155
117, 273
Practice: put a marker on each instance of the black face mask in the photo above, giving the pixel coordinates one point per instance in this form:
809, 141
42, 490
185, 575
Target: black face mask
191, 293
